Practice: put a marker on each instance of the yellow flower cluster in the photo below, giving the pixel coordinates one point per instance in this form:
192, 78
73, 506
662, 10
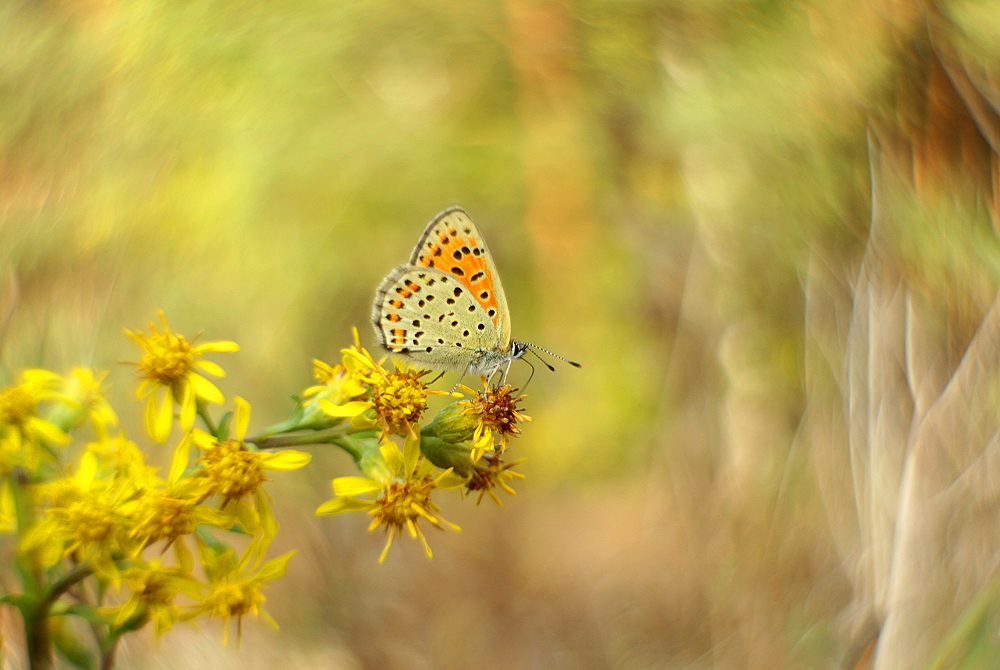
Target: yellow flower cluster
94, 521
102, 535
457, 449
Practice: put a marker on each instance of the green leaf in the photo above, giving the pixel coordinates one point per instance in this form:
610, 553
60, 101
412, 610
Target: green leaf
70, 646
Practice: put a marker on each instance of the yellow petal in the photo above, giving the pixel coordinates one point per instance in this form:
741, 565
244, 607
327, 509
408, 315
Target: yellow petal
211, 368
241, 419
347, 409
287, 459
275, 567
205, 389
246, 515
450, 480
222, 345
159, 415
87, 471
362, 422
189, 407
352, 486
130, 607
411, 451
47, 430
338, 505
180, 461
354, 361
392, 456
203, 439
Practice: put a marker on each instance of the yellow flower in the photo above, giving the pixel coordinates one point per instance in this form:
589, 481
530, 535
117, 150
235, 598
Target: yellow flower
402, 484
236, 474
497, 412
88, 519
397, 399
22, 430
233, 591
492, 473
153, 588
169, 369
83, 400
337, 383
117, 456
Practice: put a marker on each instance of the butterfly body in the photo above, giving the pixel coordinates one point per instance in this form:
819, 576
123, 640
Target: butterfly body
446, 308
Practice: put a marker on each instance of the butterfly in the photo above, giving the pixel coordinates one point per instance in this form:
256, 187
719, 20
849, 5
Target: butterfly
446, 309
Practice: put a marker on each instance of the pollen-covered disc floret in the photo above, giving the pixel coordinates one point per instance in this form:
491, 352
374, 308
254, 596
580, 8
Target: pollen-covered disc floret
492, 473
233, 471
496, 409
164, 517
403, 502
399, 398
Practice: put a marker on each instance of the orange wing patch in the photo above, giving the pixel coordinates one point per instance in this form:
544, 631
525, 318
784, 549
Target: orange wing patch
448, 250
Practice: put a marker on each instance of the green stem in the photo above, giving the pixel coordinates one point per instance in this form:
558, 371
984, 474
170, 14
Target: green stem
353, 446
64, 584
328, 436
108, 657
206, 417
36, 628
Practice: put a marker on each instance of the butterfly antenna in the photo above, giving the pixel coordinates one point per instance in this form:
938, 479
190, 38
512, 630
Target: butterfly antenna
565, 360
551, 369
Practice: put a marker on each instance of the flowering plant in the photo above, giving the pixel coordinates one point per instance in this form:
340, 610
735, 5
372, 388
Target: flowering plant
104, 537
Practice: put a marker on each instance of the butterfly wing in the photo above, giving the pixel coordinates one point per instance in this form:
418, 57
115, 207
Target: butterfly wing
452, 244
432, 318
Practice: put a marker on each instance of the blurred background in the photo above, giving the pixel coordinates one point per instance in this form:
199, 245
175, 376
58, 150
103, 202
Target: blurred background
767, 228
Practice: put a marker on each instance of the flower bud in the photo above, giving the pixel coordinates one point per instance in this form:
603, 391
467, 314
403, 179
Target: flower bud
446, 455
452, 424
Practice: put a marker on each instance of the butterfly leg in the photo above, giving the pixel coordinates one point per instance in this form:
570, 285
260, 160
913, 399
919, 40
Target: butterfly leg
441, 374
461, 377
507, 371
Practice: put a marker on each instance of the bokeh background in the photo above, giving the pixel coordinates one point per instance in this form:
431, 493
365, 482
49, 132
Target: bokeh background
765, 227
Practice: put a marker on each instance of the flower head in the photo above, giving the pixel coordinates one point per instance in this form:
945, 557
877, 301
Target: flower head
337, 383
88, 518
396, 399
492, 473
153, 588
236, 474
497, 411
234, 592
22, 430
83, 400
169, 368
401, 484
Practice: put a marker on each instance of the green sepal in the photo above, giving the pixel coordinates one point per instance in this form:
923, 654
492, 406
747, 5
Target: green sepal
209, 540
140, 619
222, 432
456, 455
